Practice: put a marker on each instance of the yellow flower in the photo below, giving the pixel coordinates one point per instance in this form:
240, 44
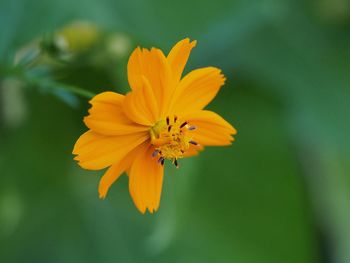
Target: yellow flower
161, 118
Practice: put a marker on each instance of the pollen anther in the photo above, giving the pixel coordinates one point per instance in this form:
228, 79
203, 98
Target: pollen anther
193, 142
183, 124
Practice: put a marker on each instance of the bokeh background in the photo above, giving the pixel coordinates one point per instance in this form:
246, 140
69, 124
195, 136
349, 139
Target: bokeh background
280, 193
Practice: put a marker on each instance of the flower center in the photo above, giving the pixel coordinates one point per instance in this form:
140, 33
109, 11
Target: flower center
171, 138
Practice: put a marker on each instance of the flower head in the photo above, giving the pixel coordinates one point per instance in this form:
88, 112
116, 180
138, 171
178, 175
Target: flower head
161, 119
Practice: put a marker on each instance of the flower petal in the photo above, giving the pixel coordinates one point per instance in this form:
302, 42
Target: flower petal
107, 117
116, 170
211, 128
95, 151
178, 57
197, 89
152, 65
140, 105
145, 181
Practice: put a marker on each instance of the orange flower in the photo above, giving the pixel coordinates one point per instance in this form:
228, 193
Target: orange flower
161, 118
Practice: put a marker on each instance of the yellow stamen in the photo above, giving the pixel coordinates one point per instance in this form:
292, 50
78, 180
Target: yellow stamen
171, 138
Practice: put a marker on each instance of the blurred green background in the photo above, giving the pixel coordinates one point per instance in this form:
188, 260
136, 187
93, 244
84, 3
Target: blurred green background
280, 193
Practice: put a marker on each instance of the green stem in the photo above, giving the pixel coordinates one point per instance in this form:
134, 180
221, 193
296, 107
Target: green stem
34, 81
76, 90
